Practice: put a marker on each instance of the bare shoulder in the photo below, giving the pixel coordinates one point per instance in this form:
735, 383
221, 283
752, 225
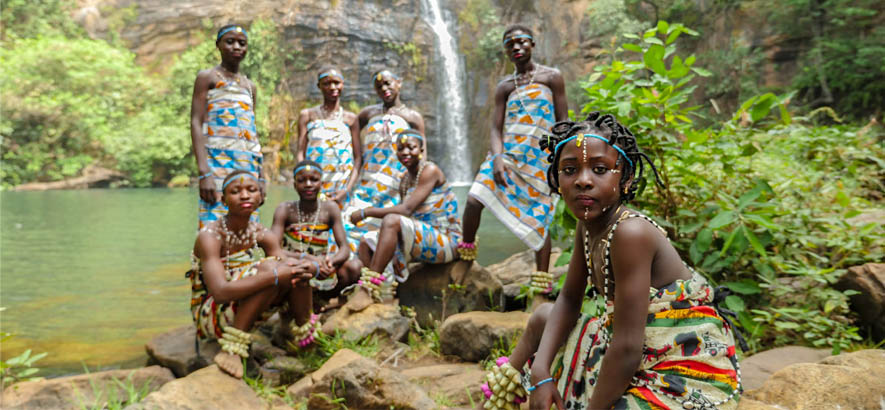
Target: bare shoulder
505, 85
348, 117
548, 76
638, 233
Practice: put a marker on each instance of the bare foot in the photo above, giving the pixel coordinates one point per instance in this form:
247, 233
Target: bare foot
334, 303
459, 271
359, 301
230, 364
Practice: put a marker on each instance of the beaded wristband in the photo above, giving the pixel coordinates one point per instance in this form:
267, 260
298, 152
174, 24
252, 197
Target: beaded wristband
539, 384
503, 388
363, 213
467, 250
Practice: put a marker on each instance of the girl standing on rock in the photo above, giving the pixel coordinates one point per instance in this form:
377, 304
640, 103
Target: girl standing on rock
658, 340
380, 175
305, 224
223, 123
423, 227
511, 181
231, 289
329, 135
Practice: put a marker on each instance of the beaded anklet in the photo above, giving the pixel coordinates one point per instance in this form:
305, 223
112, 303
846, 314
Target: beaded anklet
377, 284
235, 341
503, 388
541, 282
467, 250
305, 334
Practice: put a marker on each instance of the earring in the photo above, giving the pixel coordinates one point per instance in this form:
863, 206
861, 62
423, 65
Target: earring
559, 189
626, 189
420, 156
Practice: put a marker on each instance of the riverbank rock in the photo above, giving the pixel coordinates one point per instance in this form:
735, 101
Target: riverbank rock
382, 319
472, 335
76, 392
362, 384
516, 271
282, 370
756, 369
869, 280
450, 383
848, 381
175, 350
207, 388
467, 287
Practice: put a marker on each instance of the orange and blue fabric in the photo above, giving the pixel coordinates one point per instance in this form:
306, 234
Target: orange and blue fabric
330, 144
380, 175
525, 206
231, 141
313, 240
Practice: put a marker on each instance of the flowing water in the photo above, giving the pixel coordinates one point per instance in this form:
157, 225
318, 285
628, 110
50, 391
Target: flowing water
91, 275
451, 106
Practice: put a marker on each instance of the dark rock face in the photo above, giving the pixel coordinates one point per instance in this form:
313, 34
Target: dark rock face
472, 335
869, 280
467, 287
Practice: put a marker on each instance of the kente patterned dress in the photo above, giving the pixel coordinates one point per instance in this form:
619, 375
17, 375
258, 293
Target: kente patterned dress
380, 175
525, 205
429, 235
210, 317
231, 141
330, 144
312, 238
688, 354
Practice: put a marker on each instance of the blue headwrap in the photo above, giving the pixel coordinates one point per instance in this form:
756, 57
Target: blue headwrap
332, 73
387, 73
238, 29
303, 167
404, 135
516, 37
620, 151
245, 174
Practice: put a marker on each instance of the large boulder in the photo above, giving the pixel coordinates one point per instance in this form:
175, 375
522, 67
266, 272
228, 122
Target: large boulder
362, 384
473, 335
382, 319
208, 388
848, 381
460, 286
756, 369
869, 280
457, 384
516, 271
176, 350
82, 391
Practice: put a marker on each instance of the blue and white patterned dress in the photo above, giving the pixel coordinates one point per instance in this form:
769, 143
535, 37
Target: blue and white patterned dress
330, 144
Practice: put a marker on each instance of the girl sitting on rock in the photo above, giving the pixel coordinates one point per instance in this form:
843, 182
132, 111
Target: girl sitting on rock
305, 225
658, 340
423, 227
231, 289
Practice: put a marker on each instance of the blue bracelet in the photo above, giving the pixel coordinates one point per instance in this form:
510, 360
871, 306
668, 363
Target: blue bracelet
206, 175
532, 388
363, 213
318, 269
276, 277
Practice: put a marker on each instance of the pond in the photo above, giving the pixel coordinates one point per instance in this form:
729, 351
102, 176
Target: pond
90, 276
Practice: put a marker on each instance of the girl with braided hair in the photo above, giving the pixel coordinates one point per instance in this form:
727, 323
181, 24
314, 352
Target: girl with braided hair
667, 347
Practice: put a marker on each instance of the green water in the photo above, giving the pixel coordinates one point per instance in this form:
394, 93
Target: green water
91, 275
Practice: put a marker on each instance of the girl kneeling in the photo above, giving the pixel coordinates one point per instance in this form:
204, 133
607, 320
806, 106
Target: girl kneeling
230, 289
423, 227
659, 340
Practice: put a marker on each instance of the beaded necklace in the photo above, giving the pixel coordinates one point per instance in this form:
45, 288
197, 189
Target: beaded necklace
693, 400
408, 183
236, 76
302, 247
516, 87
247, 238
324, 115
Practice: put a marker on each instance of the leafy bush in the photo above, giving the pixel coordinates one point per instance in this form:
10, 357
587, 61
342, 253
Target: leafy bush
754, 204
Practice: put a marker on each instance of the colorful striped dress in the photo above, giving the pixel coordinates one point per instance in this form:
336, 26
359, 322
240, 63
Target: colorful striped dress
210, 317
231, 141
330, 144
525, 206
429, 235
312, 239
380, 174
688, 354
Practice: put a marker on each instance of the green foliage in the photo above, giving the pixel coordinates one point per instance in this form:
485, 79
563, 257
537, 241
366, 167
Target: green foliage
328, 345
19, 368
268, 393
754, 203
481, 34
34, 18
115, 395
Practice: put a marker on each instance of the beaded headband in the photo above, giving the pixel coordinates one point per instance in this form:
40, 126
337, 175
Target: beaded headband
332, 73
382, 73
305, 166
516, 37
245, 174
580, 137
238, 29
403, 137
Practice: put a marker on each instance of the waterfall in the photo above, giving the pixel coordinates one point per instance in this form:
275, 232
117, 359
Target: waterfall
455, 158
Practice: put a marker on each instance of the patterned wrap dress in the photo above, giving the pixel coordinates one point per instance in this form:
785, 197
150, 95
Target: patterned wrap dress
380, 175
313, 239
525, 206
231, 141
330, 144
688, 354
209, 316
429, 235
